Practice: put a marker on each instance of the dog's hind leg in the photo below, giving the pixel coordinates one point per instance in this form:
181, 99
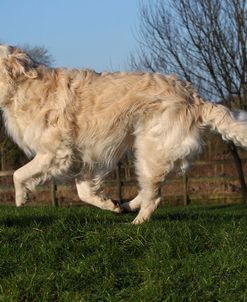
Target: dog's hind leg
87, 189
148, 199
35, 169
152, 164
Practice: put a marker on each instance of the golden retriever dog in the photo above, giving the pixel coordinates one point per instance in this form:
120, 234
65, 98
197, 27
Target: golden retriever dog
79, 123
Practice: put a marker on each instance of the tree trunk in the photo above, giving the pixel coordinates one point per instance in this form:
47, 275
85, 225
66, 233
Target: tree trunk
240, 171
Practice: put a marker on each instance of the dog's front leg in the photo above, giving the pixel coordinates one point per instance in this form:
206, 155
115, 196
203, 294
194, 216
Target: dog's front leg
34, 169
86, 190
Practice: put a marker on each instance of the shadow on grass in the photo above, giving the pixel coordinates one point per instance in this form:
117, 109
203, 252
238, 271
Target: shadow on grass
227, 206
27, 221
84, 216
216, 218
90, 215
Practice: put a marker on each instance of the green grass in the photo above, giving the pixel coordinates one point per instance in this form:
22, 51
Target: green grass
194, 253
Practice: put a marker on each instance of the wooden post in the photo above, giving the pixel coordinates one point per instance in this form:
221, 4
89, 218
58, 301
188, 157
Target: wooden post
54, 200
119, 182
185, 189
2, 158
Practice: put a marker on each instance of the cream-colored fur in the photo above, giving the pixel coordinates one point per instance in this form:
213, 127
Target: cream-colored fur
79, 123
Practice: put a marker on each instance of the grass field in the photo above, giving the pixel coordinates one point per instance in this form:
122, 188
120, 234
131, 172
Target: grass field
194, 253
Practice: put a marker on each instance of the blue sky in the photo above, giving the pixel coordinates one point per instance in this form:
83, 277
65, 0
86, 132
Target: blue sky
96, 34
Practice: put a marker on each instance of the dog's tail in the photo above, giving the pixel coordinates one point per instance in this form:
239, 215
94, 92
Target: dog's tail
231, 125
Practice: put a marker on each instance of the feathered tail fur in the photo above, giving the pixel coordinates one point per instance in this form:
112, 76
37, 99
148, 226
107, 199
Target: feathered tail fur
231, 125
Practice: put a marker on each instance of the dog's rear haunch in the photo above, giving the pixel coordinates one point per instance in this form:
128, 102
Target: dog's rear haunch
79, 122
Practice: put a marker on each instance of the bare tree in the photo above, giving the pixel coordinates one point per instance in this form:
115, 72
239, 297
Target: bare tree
7, 147
204, 42
39, 54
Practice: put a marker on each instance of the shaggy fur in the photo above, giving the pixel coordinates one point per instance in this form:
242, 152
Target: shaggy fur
79, 123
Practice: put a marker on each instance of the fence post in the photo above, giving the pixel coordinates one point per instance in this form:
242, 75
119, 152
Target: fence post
185, 189
119, 182
2, 158
54, 200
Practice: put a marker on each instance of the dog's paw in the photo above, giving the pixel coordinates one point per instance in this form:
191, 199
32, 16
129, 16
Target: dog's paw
139, 219
117, 206
21, 202
113, 206
126, 207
